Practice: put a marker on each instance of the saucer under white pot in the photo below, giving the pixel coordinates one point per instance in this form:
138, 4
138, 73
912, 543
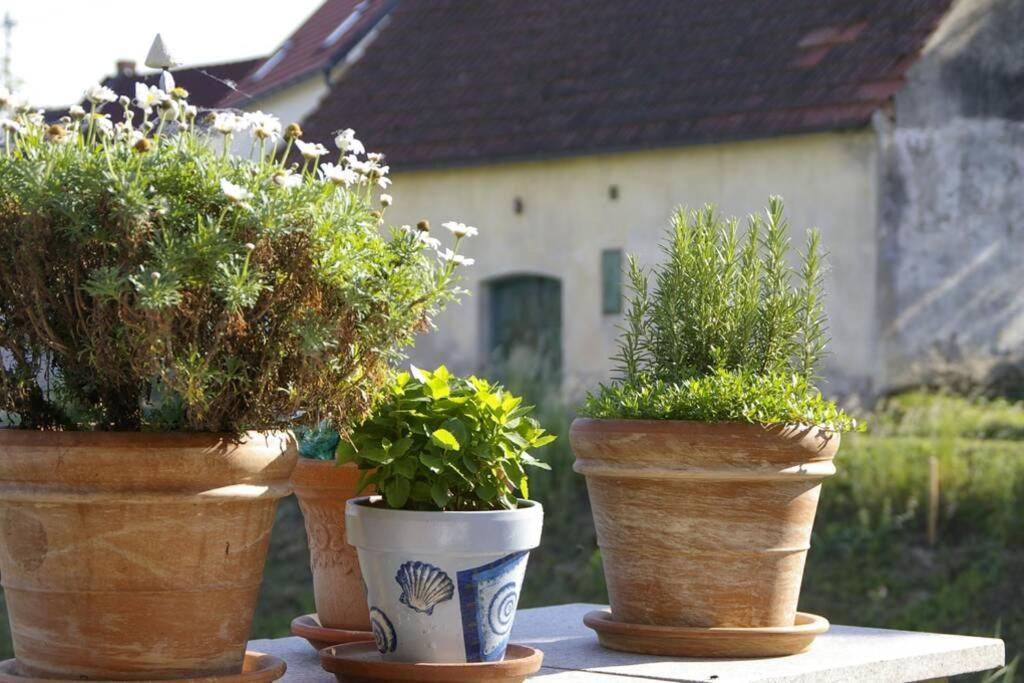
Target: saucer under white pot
442, 587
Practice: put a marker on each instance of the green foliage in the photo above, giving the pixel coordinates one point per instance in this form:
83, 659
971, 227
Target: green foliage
722, 396
725, 334
438, 442
154, 281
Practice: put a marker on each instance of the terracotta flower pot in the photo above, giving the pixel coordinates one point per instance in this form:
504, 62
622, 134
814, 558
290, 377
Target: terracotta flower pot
703, 525
322, 488
136, 555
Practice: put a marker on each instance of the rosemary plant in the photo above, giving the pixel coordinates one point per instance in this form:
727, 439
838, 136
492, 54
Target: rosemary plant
725, 329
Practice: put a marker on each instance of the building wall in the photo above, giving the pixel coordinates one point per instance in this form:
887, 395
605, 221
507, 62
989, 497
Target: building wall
293, 103
952, 214
568, 217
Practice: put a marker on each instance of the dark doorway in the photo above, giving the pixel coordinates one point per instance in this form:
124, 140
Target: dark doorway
525, 327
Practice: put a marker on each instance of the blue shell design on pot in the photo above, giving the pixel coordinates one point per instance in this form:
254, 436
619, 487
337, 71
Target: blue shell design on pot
383, 631
423, 586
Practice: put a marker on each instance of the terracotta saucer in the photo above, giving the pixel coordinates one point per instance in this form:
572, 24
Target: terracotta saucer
308, 626
257, 668
361, 663
683, 641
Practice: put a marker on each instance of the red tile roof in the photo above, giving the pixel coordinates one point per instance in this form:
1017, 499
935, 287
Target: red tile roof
469, 81
308, 50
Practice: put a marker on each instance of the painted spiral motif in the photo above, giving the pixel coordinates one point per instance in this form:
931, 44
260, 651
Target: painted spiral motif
423, 586
502, 610
383, 631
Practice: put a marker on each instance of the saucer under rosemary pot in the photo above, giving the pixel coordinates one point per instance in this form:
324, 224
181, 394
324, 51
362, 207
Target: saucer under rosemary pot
687, 641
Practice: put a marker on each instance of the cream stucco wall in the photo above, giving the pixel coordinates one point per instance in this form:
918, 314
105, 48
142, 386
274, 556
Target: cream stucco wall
293, 103
828, 181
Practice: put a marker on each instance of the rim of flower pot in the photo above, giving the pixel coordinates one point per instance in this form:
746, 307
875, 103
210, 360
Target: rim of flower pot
687, 449
476, 532
145, 466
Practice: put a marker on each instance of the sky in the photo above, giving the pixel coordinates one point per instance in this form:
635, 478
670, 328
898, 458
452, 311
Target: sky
60, 47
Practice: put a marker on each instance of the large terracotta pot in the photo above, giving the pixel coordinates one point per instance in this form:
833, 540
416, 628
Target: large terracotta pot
703, 524
322, 488
136, 555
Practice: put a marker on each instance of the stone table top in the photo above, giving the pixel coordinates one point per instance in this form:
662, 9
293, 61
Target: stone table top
844, 654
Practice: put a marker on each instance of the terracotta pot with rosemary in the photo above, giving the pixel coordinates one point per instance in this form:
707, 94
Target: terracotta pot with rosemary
168, 313
704, 458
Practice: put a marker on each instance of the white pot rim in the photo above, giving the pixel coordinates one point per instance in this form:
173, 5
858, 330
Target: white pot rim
479, 532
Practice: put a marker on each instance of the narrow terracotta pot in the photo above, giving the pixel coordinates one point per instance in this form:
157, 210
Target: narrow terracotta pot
703, 525
136, 555
322, 488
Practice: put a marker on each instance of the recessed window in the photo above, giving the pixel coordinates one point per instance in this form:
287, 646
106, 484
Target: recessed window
611, 281
347, 23
274, 60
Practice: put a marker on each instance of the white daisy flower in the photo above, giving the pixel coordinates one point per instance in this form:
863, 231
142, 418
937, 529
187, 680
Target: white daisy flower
346, 142
227, 123
310, 150
264, 126
339, 175
460, 229
100, 94
386, 200
103, 125
287, 179
10, 125
148, 96
458, 259
235, 193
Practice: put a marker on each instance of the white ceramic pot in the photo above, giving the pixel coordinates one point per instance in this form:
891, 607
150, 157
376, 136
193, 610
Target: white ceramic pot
442, 586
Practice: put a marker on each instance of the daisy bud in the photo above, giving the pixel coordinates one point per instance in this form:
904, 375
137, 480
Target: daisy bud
124, 101
375, 214
423, 226
179, 93
55, 133
155, 275
292, 132
385, 200
142, 145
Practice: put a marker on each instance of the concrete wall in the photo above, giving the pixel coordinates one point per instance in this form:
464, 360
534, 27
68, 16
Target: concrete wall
828, 181
951, 233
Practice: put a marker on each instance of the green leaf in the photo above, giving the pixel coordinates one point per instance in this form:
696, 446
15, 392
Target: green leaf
432, 461
346, 452
440, 494
406, 467
399, 448
396, 492
544, 440
457, 429
486, 492
445, 439
438, 388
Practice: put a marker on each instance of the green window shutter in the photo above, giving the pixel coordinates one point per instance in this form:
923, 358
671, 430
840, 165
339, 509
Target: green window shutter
611, 281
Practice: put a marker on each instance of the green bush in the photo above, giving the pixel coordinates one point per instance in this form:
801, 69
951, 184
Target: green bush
725, 334
438, 442
153, 281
